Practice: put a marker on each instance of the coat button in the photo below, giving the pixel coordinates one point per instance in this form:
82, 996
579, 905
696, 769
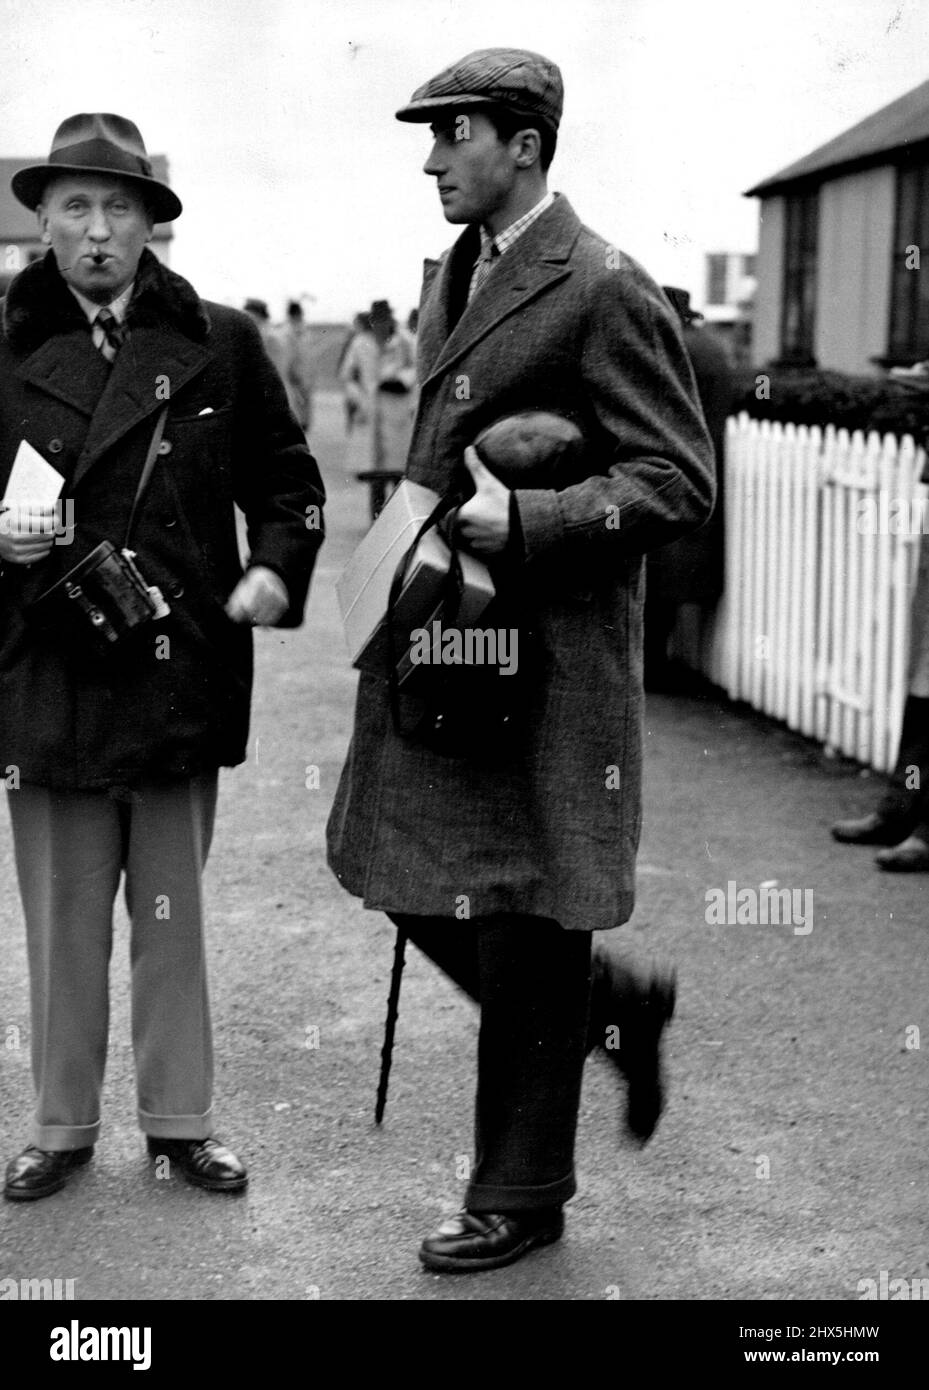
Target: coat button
170, 521
177, 591
55, 446
165, 447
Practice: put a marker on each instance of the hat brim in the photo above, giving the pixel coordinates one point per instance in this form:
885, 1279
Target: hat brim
430, 107
29, 185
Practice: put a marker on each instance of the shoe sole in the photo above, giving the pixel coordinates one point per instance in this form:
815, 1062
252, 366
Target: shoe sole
217, 1184
456, 1264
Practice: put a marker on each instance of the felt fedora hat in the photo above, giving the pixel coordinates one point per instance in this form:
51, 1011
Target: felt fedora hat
98, 142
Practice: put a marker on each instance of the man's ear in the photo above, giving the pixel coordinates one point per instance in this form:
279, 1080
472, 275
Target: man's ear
530, 148
42, 217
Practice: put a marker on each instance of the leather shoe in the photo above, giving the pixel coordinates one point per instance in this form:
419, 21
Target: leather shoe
640, 1012
910, 857
203, 1162
38, 1172
474, 1240
870, 830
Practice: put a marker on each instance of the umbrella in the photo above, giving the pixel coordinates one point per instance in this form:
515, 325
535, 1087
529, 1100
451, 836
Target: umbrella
393, 1006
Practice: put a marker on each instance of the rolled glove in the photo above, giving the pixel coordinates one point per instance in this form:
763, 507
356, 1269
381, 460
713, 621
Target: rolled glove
535, 448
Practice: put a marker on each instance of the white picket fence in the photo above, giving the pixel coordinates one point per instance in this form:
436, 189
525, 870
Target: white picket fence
813, 627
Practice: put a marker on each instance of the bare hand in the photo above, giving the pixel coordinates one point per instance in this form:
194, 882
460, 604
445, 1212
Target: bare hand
484, 521
27, 533
259, 598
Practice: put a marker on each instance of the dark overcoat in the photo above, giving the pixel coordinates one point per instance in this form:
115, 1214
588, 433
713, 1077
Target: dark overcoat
567, 323
171, 708
691, 570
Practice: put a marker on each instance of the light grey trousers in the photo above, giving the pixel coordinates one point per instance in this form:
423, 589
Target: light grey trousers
71, 849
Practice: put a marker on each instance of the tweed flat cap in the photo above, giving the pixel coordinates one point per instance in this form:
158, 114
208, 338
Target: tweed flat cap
511, 77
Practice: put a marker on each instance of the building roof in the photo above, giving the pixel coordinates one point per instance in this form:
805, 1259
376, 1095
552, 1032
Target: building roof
18, 223
905, 122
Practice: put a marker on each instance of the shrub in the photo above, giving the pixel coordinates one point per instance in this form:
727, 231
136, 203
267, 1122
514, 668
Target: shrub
808, 396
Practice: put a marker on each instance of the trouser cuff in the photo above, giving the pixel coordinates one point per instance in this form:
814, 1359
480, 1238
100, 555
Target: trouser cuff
505, 1197
177, 1126
60, 1138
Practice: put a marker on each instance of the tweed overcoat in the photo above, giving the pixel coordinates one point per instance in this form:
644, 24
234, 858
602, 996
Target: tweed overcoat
567, 323
182, 707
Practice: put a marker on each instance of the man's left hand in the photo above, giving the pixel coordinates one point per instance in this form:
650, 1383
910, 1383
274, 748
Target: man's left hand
259, 598
484, 521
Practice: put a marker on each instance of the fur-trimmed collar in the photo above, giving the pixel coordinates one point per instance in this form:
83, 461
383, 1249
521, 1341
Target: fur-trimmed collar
39, 304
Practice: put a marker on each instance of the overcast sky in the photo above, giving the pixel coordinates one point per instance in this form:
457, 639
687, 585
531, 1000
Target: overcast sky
277, 119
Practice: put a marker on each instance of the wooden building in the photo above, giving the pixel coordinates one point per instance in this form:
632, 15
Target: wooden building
843, 258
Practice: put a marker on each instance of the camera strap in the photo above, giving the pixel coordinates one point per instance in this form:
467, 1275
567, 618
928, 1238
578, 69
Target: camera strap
147, 469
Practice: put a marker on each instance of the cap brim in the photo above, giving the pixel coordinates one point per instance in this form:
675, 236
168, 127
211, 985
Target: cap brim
28, 186
437, 106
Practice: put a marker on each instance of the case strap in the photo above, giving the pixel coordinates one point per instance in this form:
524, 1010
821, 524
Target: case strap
443, 517
147, 469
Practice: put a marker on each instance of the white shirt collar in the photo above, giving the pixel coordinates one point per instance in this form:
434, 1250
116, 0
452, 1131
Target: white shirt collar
505, 239
117, 307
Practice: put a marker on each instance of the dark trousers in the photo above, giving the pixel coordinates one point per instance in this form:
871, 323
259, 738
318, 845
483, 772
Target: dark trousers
910, 804
532, 981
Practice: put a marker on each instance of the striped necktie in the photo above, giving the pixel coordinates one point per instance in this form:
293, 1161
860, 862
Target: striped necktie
113, 333
489, 254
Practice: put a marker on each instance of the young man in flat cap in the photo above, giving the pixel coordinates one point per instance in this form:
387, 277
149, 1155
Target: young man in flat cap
112, 367
501, 867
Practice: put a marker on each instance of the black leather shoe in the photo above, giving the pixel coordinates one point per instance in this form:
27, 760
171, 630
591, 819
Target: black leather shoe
476, 1240
871, 830
910, 857
640, 1012
203, 1162
38, 1172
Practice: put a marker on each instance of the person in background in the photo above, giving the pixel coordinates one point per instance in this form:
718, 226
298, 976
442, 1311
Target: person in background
257, 311
690, 570
383, 368
294, 341
901, 821
358, 377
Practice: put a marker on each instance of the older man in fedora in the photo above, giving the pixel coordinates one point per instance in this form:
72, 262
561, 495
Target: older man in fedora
157, 413
502, 861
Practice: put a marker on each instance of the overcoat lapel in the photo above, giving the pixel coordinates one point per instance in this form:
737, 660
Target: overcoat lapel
69, 367
538, 260
165, 348
151, 366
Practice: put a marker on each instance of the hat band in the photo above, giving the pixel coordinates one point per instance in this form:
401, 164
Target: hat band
101, 154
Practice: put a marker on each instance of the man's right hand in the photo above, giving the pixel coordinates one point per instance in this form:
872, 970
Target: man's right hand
27, 533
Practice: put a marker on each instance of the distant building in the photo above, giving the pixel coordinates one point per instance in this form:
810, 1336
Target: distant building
729, 300
843, 231
19, 233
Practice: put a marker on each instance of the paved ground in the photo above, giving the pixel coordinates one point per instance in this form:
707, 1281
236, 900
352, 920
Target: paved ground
792, 1162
